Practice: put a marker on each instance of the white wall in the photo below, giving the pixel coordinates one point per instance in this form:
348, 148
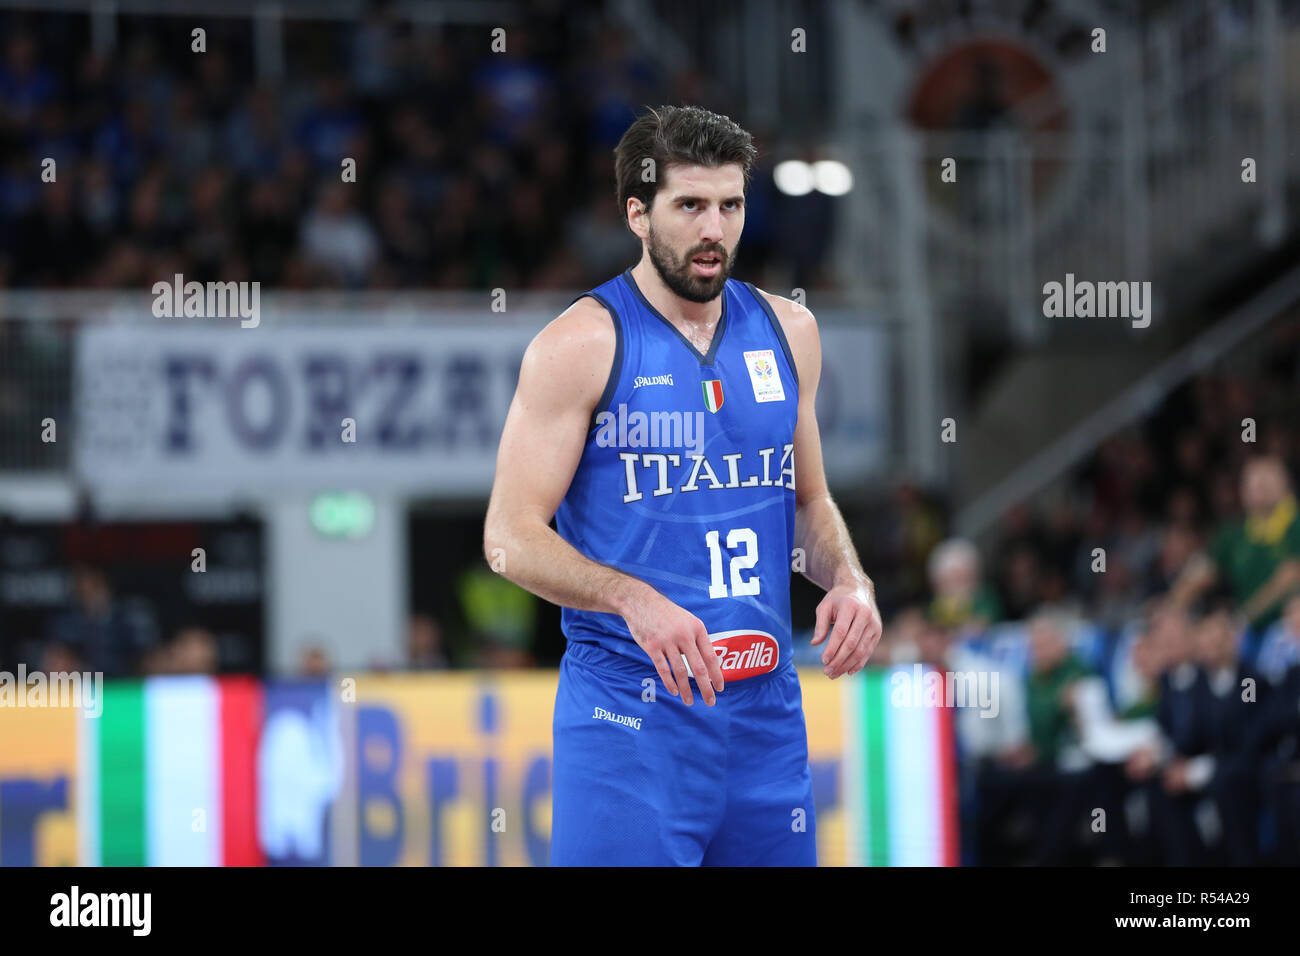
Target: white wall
349, 596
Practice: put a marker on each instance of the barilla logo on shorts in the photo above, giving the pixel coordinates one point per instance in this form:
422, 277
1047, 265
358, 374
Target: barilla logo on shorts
745, 653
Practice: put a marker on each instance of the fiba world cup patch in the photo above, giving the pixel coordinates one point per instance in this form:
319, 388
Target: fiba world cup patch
713, 394
764, 376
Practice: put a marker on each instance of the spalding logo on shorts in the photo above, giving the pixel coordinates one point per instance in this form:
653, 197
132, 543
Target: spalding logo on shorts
745, 653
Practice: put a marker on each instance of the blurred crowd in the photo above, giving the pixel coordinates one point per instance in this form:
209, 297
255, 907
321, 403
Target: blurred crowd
1155, 496
1144, 626
1165, 746
121, 636
1151, 498
473, 168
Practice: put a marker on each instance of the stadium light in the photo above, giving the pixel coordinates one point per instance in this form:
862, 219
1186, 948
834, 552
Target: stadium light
793, 177
831, 177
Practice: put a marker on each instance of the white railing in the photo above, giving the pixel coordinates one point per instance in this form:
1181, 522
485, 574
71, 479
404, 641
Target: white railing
1131, 405
1136, 186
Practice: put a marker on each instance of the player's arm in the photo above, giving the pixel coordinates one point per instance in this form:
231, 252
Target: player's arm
561, 380
848, 612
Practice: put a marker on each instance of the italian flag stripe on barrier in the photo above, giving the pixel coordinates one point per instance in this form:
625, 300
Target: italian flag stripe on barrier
900, 781
167, 774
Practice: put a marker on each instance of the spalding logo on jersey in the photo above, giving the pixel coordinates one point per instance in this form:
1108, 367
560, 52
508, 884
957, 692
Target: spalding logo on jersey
744, 653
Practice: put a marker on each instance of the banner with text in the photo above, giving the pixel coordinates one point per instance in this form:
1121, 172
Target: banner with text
407, 410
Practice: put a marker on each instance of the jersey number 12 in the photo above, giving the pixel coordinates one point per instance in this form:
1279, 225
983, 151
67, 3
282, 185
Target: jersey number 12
739, 586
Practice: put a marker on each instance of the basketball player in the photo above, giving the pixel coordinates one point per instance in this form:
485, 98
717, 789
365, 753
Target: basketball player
665, 420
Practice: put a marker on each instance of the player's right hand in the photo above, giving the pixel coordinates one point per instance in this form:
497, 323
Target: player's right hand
667, 632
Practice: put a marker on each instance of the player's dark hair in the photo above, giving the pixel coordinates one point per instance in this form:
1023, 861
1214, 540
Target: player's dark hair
681, 135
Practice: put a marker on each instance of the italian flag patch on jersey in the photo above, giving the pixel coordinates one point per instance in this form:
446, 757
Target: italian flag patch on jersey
713, 394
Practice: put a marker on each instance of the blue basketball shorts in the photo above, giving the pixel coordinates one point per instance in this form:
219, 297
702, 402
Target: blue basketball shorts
652, 782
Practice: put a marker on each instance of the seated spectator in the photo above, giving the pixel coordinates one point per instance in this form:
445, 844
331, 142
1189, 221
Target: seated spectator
1053, 672
99, 629
313, 662
1280, 648
1178, 545
1258, 557
338, 239
1228, 767
898, 642
1124, 742
194, 651
424, 644
57, 658
961, 600
1022, 582
1039, 781
1278, 743
1138, 692
1184, 691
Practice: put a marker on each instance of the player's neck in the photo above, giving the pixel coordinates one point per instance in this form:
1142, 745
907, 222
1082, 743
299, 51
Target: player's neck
679, 311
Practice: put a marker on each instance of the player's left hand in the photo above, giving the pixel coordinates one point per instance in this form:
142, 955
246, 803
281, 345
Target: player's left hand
849, 614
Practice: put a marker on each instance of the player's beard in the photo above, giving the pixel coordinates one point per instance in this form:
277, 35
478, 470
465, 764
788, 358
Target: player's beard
678, 276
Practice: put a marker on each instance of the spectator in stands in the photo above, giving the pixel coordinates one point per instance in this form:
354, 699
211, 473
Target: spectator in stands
1118, 593
424, 644
495, 654
901, 537
1227, 770
1022, 582
961, 600
491, 149
1257, 558
1052, 671
194, 651
994, 757
898, 644
501, 616
156, 660
59, 658
98, 629
1178, 545
56, 239
1139, 699
517, 93
26, 86
1110, 741
336, 238
313, 662
1053, 736
1278, 742
1037, 780
1280, 648
327, 130
1223, 497
1184, 692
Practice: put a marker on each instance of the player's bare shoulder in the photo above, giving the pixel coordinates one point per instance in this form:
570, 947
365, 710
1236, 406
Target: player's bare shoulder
800, 328
571, 356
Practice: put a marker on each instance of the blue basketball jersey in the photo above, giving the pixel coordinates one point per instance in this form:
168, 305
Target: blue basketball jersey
686, 480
